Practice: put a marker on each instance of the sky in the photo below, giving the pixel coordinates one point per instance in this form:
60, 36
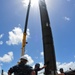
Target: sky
12, 22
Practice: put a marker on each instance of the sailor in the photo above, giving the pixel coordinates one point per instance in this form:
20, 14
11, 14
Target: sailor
61, 71
37, 68
21, 68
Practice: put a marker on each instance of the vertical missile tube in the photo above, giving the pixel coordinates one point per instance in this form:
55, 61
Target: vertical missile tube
48, 46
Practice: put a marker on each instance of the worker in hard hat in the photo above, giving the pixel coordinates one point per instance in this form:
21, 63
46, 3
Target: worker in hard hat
37, 68
22, 68
61, 71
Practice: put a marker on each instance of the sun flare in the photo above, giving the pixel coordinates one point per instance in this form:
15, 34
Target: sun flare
33, 2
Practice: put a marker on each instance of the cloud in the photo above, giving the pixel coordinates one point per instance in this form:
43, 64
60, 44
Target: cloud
0, 67
4, 73
66, 66
67, 18
41, 53
1, 42
1, 35
7, 57
28, 34
15, 36
30, 60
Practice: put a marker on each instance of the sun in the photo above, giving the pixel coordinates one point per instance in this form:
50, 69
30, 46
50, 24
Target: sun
33, 3
25, 2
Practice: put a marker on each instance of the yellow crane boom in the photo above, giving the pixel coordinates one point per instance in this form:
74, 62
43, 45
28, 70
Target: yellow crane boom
25, 29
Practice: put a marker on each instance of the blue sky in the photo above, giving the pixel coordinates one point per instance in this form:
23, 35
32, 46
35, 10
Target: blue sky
12, 21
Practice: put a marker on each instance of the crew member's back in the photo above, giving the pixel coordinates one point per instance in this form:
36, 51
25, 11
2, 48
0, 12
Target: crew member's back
21, 68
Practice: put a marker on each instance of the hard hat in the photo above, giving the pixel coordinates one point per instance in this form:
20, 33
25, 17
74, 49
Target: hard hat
24, 58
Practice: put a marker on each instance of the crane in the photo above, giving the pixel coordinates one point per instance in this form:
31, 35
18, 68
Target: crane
25, 30
48, 46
